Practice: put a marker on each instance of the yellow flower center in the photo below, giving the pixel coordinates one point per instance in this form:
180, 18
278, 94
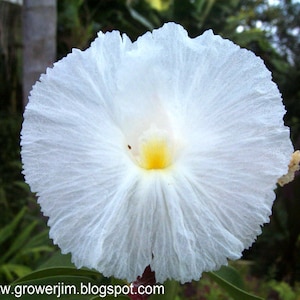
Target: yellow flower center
155, 153
153, 150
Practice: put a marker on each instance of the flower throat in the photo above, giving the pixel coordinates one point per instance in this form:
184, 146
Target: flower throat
154, 150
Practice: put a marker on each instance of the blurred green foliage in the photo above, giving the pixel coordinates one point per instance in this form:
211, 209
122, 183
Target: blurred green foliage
284, 290
22, 246
272, 32
14, 193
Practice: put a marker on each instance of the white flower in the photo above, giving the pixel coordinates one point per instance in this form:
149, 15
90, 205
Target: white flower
162, 152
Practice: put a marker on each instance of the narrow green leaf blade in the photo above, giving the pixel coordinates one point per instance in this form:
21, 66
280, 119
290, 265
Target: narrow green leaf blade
231, 289
20, 241
135, 15
52, 272
231, 275
10, 270
8, 230
39, 239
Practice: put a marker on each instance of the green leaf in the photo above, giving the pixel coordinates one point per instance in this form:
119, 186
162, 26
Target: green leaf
21, 184
9, 270
35, 246
58, 260
7, 231
19, 241
38, 239
52, 272
204, 12
135, 15
226, 280
35, 250
231, 275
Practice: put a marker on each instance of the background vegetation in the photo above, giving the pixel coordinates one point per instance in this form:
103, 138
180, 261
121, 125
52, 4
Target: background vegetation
272, 266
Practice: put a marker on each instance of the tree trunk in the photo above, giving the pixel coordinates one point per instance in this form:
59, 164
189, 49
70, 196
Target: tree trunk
39, 40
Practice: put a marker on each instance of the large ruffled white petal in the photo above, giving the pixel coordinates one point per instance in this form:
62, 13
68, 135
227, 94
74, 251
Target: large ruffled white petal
223, 116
